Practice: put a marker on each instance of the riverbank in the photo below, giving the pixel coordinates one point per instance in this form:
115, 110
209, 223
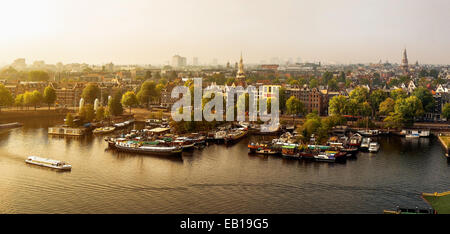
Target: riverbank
445, 142
18, 115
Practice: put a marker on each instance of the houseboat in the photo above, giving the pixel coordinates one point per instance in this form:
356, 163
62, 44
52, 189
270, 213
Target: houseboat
235, 135
68, 131
414, 133
355, 140
151, 147
290, 151
261, 148
45, 162
185, 143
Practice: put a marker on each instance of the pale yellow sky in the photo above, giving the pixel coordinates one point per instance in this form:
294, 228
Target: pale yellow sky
134, 31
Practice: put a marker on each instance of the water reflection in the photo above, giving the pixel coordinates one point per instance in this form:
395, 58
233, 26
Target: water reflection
216, 179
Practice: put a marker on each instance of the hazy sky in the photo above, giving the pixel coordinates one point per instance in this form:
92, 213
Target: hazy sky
134, 31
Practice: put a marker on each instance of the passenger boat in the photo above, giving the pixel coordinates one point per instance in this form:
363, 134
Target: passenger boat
261, 148
103, 130
374, 147
45, 162
365, 143
355, 140
235, 135
330, 156
152, 147
290, 151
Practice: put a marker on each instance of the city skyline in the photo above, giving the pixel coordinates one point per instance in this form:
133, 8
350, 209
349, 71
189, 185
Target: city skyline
151, 32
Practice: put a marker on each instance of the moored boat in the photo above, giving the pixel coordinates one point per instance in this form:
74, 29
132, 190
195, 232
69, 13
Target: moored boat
103, 130
365, 143
290, 151
374, 147
45, 162
235, 135
261, 148
330, 156
184, 142
152, 147
355, 140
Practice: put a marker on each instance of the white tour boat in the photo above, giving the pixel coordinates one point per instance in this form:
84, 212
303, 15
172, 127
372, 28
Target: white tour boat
374, 147
45, 162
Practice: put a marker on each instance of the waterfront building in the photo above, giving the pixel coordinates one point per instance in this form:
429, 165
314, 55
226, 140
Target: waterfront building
313, 99
67, 94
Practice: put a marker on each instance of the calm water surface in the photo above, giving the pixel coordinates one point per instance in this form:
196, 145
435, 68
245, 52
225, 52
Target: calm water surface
217, 179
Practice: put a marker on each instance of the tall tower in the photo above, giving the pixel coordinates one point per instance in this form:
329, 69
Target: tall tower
405, 61
240, 75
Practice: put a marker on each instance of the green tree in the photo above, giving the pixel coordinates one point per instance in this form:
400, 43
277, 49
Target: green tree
114, 106
38, 76
398, 93
19, 101
313, 83
376, 98
338, 105
49, 96
147, 93
360, 94
387, 106
6, 98
87, 113
394, 120
69, 120
90, 93
408, 109
129, 99
32, 98
426, 97
446, 111
333, 84
100, 113
294, 107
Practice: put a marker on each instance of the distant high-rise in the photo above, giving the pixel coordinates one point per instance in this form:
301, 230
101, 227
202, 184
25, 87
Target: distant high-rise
109, 67
195, 61
178, 61
19, 64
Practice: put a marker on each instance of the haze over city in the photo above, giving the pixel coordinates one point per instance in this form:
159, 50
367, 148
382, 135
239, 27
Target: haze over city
151, 32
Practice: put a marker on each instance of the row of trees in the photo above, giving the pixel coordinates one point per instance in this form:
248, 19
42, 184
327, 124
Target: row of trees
398, 108
27, 99
12, 74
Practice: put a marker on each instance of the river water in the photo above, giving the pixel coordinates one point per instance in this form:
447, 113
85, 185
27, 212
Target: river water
217, 179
